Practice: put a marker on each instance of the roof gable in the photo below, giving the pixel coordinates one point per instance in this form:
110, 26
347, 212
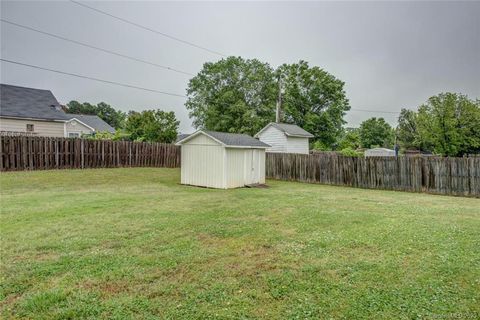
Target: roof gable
30, 103
228, 139
203, 139
92, 121
291, 130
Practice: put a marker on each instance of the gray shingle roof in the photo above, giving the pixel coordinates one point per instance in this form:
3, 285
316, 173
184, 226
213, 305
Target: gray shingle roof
93, 121
236, 139
21, 102
182, 136
290, 129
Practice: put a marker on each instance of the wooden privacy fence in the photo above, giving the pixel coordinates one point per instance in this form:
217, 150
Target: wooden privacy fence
452, 176
42, 153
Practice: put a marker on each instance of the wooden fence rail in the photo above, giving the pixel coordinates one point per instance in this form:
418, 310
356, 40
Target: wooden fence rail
42, 153
451, 176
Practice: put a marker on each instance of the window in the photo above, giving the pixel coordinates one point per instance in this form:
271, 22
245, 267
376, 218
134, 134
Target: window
29, 127
73, 135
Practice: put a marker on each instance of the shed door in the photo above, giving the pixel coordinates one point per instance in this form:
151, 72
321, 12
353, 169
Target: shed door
254, 166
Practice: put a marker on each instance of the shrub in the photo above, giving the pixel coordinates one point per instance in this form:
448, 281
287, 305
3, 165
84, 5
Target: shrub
349, 152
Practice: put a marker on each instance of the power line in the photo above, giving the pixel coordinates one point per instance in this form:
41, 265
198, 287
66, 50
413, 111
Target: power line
92, 78
148, 29
133, 86
96, 48
374, 111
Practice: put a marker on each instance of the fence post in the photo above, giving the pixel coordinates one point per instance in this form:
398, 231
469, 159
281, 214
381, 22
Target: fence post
82, 153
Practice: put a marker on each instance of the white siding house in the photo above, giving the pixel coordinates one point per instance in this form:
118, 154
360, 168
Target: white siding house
36, 112
285, 138
222, 160
37, 127
76, 128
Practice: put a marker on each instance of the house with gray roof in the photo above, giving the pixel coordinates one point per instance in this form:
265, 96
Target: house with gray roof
285, 138
36, 112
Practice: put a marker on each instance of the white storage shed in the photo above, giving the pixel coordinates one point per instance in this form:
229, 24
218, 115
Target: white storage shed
285, 138
222, 160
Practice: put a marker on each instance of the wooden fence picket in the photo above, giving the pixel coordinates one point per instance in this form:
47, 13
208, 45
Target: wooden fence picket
440, 175
452, 176
41, 153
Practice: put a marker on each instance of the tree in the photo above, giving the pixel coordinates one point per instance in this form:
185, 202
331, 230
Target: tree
107, 113
349, 152
350, 138
449, 124
314, 100
152, 126
376, 132
407, 131
232, 95
81, 108
237, 95
105, 135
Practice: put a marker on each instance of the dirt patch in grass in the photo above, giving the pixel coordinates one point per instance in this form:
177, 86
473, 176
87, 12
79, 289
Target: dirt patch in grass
256, 259
107, 288
236, 257
10, 300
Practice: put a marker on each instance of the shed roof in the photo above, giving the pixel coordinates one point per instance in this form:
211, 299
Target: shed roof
228, 139
182, 136
30, 103
289, 129
93, 121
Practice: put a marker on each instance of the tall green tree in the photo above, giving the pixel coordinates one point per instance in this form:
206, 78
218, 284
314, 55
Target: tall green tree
81, 108
106, 112
449, 124
350, 139
376, 132
238, 95
407, 133
314, 100
152, 126
232, 95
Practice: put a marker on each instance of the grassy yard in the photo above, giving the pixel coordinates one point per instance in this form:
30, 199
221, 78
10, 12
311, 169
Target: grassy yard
133, 243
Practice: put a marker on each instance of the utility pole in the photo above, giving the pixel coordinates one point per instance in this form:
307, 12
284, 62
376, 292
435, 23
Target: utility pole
279, 101
396, 147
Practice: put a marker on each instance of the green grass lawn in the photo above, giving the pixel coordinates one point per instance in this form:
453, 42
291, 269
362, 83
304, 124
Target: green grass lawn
133, 243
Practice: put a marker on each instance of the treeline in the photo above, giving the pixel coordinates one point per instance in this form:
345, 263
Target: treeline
447, 124
148, 125
240, 96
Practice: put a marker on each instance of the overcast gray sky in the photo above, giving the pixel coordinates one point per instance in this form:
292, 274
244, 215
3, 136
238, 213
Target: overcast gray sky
389, 54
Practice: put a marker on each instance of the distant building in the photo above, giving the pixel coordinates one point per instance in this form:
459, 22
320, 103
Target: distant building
379, 152
36, 112
285, 138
